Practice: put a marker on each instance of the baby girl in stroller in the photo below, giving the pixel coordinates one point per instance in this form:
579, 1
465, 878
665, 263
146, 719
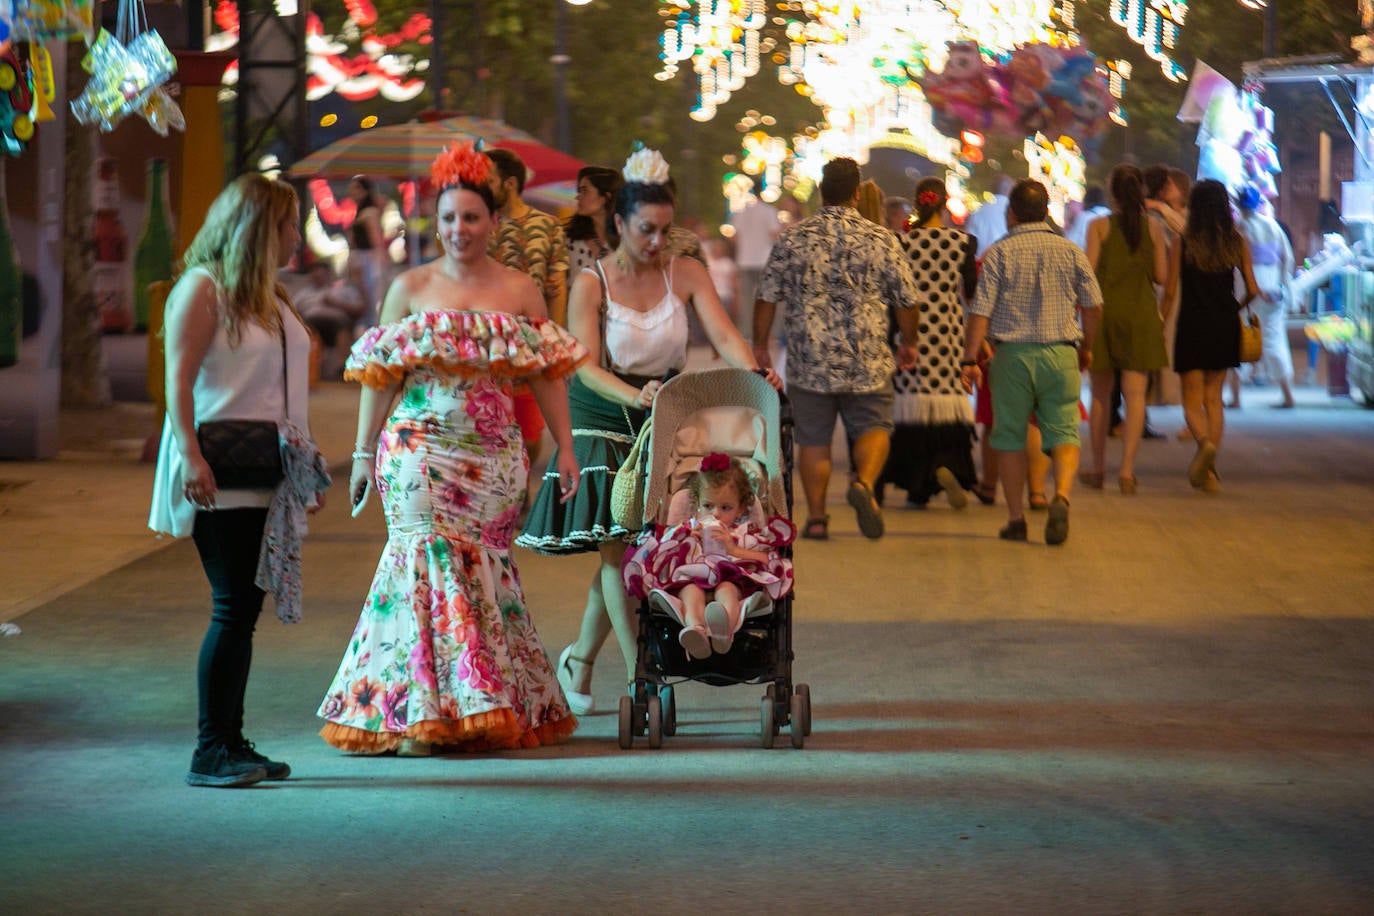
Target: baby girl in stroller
717, 560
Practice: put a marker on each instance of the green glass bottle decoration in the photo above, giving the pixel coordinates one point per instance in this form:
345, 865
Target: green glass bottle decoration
11, 285
153, 258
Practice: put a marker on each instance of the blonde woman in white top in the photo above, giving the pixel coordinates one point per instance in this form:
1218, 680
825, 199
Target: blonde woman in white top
236, 349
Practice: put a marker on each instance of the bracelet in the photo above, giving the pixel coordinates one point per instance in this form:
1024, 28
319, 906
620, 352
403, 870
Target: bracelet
363, 453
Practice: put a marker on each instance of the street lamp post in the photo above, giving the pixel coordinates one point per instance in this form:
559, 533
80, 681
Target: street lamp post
560, 61
1271, 22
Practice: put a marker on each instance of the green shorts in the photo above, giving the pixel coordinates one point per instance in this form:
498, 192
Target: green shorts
1042, 379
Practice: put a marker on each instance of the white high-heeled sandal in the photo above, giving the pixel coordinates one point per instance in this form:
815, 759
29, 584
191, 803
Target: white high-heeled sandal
581, 704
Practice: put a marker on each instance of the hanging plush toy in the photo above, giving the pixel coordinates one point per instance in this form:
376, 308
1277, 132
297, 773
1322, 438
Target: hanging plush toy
16, 102
38, 20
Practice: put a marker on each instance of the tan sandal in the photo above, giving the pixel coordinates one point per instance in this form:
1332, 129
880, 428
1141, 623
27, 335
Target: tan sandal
414, 747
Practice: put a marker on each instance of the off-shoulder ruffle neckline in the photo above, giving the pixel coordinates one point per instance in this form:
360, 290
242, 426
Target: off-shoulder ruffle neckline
468, 344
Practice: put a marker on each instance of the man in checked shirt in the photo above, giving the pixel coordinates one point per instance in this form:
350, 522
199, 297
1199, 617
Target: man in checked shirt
1033, 283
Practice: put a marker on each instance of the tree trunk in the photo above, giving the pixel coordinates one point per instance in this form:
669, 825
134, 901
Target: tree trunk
84, 380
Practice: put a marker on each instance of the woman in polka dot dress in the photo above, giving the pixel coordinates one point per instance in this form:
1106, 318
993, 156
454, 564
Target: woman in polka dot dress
932, 445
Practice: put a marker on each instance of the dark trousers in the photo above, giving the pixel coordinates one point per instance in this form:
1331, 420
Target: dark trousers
229, 541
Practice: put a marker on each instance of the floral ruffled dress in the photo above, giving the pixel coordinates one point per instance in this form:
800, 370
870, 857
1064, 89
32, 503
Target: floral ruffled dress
676, 556
445, 650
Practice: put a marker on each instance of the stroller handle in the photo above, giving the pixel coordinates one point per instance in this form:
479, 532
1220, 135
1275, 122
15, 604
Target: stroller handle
784, 404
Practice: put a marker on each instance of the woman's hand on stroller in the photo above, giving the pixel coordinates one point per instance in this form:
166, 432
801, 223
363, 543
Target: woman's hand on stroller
645, 398
771, 377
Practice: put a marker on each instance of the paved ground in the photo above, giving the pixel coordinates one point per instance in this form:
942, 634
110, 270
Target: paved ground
1172, 713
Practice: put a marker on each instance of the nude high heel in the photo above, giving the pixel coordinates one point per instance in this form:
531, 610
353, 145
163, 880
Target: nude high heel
581, 704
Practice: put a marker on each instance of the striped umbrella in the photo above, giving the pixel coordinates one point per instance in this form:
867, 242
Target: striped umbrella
402, 150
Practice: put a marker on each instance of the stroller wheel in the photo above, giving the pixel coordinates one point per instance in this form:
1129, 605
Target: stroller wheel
669, 701
627, 737
804, 691
768, 723
655, 721
798, 720
640, 708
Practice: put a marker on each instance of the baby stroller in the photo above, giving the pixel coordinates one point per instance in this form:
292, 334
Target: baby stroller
737, 412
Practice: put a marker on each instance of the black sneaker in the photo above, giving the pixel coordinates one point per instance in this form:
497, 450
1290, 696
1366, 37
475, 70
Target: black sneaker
276, 769
218, 768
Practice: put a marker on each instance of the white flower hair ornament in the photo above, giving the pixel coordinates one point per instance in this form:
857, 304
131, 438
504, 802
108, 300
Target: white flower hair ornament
646, 166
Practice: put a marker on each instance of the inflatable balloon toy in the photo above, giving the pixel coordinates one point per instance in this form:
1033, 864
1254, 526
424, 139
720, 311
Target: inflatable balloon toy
1026, 78
964, 94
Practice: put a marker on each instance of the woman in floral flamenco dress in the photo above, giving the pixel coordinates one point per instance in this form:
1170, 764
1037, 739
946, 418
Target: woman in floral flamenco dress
445, 653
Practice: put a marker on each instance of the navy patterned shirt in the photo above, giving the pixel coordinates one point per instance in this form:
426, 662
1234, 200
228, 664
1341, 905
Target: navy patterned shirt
834, 275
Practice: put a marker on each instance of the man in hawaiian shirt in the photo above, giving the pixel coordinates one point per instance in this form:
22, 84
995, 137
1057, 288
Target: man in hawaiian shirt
834, 275
532, 242
526, 239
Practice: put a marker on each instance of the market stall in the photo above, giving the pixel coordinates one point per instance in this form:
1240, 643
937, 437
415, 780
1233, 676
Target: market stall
1333, 291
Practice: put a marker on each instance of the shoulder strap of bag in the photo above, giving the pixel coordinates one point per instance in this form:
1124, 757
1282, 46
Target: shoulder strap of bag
285, 388
605, 353
601, 315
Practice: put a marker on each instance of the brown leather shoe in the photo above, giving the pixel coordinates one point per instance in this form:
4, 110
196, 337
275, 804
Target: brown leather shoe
1057, 526
1014, 531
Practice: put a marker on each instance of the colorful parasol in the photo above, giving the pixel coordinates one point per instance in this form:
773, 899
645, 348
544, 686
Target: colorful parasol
404, 151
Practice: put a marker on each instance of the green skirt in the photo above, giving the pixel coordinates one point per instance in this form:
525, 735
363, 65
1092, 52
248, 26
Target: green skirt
603, 433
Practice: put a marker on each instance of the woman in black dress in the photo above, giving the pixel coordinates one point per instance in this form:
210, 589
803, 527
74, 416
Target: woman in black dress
366, 247
1207, 343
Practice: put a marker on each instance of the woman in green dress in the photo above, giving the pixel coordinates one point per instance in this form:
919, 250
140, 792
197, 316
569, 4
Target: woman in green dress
630, 311
1129, 255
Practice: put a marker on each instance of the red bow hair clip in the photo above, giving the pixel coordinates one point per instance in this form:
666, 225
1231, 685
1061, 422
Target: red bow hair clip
461, 163
715, 461
928, 198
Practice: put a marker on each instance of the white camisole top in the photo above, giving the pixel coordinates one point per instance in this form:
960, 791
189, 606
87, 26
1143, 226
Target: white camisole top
648, 343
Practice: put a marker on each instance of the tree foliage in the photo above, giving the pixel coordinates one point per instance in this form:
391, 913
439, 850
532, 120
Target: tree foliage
498, 55
1225, 35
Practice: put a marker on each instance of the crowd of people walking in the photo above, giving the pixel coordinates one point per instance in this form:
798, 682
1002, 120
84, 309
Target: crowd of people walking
891, 318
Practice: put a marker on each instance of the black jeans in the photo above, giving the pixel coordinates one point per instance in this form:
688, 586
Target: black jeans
229, 541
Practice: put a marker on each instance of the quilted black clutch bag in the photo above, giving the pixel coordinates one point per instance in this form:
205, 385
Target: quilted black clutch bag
243, 454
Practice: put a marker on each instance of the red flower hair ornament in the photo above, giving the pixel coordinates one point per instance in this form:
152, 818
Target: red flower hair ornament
928, 198
716, 461
461, 163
